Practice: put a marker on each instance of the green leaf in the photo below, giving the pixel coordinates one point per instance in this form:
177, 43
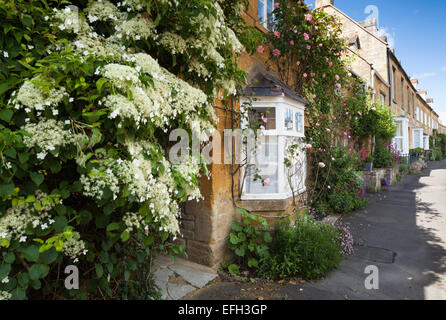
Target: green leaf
23, 279
125, 235
236, 226
253, 263
100, 83
6, 189
36, 284
38, 271
11, 153
99, 270
18, 294
48, 257
4, 270
30, 253
149, 240
6, 115
112, 227
233, 269
126, 275
23, 157
240, 251
37, 178
9, 258
233, 239
267, 237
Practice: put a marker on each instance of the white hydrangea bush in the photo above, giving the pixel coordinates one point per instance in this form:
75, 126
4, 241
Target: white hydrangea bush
95, 121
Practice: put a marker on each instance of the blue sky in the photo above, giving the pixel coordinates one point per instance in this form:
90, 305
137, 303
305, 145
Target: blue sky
419, 32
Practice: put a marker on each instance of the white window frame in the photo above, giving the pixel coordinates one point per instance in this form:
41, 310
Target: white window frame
264, 21
405, 134
281, 104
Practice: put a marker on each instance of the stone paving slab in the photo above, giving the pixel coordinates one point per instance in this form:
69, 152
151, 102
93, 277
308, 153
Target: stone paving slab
178, 278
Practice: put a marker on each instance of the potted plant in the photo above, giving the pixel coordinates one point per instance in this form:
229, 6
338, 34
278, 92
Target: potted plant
368, 163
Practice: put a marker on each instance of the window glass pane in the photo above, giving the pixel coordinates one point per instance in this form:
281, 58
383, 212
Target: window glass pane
295, 173
266, 166
260, 10
263, 116
299, 122
399, 143
270, 18
399, 129
417, 140
289, 120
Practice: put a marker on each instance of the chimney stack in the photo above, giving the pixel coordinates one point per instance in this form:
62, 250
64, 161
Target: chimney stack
370, 25
323, 3
422, 94
430, 102
415, 83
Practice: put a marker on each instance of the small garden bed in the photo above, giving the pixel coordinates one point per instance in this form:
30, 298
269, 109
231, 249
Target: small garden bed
300, 248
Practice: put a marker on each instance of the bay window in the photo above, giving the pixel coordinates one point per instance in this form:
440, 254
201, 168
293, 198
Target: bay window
267, 177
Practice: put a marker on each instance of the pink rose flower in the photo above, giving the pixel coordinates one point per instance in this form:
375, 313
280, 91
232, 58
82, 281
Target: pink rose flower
260, 49
276, 52
277, 34
292, 42
308, 47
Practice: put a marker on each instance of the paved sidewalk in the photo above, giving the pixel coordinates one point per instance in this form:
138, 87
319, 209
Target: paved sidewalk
402, 232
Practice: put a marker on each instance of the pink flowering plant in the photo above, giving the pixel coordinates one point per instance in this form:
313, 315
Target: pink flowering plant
309, 53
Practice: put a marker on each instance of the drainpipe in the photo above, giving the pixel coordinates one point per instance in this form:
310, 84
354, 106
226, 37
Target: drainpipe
373, 83
389, 75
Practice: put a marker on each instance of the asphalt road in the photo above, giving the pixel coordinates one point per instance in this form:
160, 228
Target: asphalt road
402, 232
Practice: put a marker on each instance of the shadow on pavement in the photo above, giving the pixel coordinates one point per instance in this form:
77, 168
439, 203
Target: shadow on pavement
402, 232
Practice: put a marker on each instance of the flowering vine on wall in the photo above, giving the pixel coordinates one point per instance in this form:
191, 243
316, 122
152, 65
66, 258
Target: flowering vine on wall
308, 52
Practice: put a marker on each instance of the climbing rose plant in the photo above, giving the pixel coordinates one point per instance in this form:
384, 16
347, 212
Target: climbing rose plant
310, 55
84, 176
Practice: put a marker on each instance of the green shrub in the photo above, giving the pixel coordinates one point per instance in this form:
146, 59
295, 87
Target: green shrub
404, 169
382, 158
416, 151
436, 155
248, 241
344, 201
309, 249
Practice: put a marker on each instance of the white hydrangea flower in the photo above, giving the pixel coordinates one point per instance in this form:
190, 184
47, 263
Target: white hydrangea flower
31, 96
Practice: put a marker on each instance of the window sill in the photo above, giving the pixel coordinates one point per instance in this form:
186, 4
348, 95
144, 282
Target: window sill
268, 202
266, 205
